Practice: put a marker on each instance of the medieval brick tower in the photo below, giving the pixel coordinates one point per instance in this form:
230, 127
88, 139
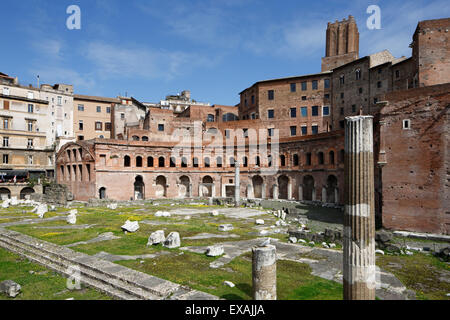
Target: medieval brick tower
342, 44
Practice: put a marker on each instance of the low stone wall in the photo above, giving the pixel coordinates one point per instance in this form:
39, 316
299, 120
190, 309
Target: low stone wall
330, 236
56, 194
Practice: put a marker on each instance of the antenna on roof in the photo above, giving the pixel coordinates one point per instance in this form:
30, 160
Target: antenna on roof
38, 81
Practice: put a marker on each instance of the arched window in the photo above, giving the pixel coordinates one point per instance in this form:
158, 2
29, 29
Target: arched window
207, 162
173, 162
320, 158
195, 162
127, 161
144, 138
150, 162
161, 162
232, 162
358, 74
219, 162
331, 155
139, 162
296, 160
282, 160
258, 161
135, 138
210, 118
308, 159
184, 162
269, 161
245, 162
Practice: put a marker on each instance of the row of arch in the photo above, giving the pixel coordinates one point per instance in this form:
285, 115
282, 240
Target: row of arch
256, 188
161, 161
5, 193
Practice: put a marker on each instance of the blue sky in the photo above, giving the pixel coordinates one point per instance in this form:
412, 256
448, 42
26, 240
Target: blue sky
215, 48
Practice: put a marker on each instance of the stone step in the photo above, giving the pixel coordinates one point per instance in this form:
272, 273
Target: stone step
64, 264
138, 284
153, 285
110, 291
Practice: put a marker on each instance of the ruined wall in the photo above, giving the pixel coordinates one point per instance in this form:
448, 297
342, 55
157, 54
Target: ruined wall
415, 177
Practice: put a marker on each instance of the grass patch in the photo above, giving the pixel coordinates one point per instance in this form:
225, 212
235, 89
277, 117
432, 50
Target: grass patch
43, 284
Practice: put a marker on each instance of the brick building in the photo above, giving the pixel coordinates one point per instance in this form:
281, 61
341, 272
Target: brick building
303, 116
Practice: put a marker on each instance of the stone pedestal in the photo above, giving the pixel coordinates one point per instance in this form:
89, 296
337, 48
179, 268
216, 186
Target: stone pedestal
275, 192
264, 273
359, 218
324, 195
300, 193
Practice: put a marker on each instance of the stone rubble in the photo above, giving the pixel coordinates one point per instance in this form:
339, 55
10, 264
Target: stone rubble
156, 237
172, 241
130, 226
226, 227
10, 288
214, 251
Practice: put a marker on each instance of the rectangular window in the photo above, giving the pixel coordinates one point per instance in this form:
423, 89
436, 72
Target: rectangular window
30, 143
108, 109
270, 132
5, 105
360, 90
6, 91
30, 126
98, 126
253, 99
108, 126
379, 84
342, 111
327, 96
122, 116
80, 107
99, 109
30, 159
315, 85
59, 101
271, 114
227, 133
326, 111
304, 111
5, 159
315, 111
30, 95
5, 141
5, 124
80, 125
160, 127
327, 83
353, 108
397, 73
315, 129
342, 80
342, 95
293, 131
293, 112
304, 130
304, 98
271, 95
30, 108
304, 86
81, 138
293, 87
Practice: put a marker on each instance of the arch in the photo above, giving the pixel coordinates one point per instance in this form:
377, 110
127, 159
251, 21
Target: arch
184, 190
210, 118
139, 162
184, 162
258, 185
258, 161
150, 162
161, 162
26, 192
283, 182
207, 186
161, 187
139, 188
232, 162
127, 161
102, 193
219, 162
135, 138
308, 188
195, 162
320, 158
5, 193
229, 117
173, 162
207, 162
283, 160
332, 185
296, 160
331, 157
144, 138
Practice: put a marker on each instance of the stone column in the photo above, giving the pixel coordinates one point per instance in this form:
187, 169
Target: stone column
336, 195
359, 217
314, 193
237, 184
200, 190
264, 273
275, 192
324, 195
300, 193
289, 190
213, 190
250, 193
